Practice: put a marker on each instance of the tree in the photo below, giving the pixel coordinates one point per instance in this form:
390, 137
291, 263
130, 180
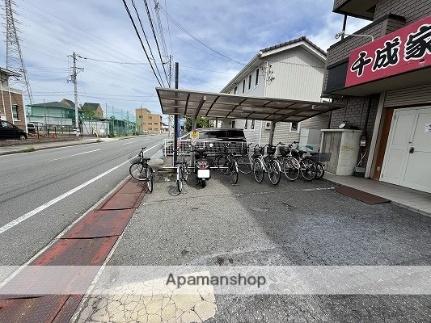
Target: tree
201, 122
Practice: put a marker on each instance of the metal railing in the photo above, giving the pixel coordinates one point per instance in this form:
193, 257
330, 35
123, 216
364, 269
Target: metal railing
217, 147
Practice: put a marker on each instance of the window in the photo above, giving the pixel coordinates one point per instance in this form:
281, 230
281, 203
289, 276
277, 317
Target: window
243, 86
235, 90
294, 127
257, 77
6, 124
252, 124
249, 82
15, 111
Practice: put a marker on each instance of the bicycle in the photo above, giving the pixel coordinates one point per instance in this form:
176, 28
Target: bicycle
245, 161
266, 164
228, 164
289, 164
183, 173
307, 165
141, 171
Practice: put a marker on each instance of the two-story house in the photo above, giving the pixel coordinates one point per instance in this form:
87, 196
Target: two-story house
383, 74
61, 113
92, 111
290, 70
12, 103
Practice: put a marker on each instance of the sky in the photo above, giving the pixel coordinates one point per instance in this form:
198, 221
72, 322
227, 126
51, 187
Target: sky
51, 30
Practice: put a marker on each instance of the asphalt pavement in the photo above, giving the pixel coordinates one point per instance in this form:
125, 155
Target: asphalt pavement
43, 192
250, 224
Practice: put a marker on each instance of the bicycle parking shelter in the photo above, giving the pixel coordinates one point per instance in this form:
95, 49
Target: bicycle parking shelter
196, 104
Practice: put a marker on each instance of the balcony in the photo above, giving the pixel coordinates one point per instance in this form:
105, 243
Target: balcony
356, 8
338, 54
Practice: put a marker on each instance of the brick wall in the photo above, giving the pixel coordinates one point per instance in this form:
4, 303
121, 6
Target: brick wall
16, 99
412, 10
355, 112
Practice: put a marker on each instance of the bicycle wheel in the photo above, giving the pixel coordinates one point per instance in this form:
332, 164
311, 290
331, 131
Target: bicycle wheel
150, 179
234, 172
274, 172
308, 169
221, 161
291, 168
185, 173
320, 170
258, 170
138, 171
244, 165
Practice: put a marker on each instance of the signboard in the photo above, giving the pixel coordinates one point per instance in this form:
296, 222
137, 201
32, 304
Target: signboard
404, 50
194, 136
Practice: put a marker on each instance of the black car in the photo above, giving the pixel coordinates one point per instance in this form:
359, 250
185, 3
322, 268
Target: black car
10, 131
218, 134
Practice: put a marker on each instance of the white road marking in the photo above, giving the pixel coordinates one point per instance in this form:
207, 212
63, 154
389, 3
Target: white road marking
39, 209
83, 153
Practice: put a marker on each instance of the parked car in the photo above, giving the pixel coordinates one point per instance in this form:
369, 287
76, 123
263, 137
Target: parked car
10, 131
218, 134
219, 137
31, 128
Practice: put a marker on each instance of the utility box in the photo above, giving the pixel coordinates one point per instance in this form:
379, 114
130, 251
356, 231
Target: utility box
342, 145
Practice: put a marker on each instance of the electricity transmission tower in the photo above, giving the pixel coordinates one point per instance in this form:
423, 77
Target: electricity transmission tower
14, 57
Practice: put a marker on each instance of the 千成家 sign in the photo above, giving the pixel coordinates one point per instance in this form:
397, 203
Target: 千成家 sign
404, 50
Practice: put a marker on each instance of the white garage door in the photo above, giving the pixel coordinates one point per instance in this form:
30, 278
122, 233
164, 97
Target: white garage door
408, 153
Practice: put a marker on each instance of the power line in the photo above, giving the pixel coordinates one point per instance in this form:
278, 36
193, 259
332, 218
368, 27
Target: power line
176, 23
113, 62
155, 39
140, 40
147, 41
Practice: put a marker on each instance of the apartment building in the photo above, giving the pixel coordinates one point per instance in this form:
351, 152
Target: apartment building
290, 70
383, 75
12, 102
148, 122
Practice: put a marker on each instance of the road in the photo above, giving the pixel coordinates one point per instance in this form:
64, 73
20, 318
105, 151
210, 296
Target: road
43, 192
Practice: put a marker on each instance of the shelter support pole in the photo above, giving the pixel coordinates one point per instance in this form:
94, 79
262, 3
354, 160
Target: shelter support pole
176, 125
271, 133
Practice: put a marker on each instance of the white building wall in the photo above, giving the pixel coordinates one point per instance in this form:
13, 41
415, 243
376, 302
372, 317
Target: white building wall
293, 74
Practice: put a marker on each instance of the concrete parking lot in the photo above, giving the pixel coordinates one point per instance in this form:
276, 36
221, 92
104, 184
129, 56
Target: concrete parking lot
293, 224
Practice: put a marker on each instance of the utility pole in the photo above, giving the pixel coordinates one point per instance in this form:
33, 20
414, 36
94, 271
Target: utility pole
74, 80
176, 126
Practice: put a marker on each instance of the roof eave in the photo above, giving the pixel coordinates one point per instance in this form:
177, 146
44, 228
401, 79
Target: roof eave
243, 72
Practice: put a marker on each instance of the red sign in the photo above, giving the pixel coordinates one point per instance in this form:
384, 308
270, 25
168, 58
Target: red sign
404, 50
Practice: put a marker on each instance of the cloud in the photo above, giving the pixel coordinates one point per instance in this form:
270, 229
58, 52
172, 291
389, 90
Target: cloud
53, 29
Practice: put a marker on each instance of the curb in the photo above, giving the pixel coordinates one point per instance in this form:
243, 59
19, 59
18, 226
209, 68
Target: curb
87, 242
32, 149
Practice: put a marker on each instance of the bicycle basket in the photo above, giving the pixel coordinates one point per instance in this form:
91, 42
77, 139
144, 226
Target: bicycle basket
270, 150
258, 150
284, 151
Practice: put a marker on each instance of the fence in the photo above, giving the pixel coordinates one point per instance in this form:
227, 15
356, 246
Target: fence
213, 147
44, 131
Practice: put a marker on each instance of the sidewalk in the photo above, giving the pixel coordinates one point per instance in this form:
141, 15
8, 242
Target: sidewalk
6, 150
405, 197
